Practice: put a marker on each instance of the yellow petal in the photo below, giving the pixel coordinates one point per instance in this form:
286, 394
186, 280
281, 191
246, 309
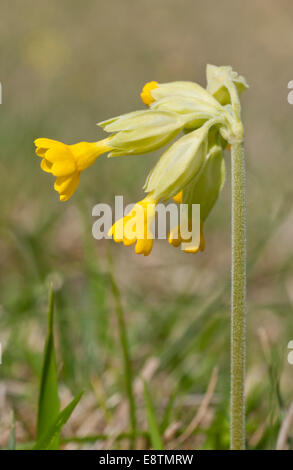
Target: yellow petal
46, 166
46, 143
40, 152
144, 246
202, 244
146, 92
129, 230
116, 231
128, 241
199, 247
136, 226
174, 237
122, 231
192, 249
63, 168
178, 197
86, 153
43, 145
62, 183
67, 186
58, 153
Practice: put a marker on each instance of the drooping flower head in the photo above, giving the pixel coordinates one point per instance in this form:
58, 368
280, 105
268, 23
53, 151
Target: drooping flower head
191, 170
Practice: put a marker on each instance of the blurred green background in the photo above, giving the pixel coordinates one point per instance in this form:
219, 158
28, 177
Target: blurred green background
64, 67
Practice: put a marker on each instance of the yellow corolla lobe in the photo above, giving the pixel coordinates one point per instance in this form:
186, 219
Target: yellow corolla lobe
146, 92
136, 226
176, 239
178, 197
66, 162
198, 247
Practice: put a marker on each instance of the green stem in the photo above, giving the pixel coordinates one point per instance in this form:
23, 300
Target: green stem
238, 311
126, 358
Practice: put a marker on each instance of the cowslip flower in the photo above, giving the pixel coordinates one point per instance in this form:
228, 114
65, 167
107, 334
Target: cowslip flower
66, 162
136, 226
191, 170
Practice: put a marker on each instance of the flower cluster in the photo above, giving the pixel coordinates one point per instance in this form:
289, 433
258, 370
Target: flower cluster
191, 170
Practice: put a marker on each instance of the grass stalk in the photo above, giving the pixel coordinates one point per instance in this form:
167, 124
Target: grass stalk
126, 356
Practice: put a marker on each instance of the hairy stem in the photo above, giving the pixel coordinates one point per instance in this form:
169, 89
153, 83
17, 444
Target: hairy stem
238, 310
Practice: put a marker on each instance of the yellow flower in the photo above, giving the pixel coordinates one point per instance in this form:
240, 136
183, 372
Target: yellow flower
146, 92
175, 239
136, 226
66, 162
178, 197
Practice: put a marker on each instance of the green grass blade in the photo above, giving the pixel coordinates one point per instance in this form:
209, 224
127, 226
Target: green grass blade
53, 434
168, 411
49, 405
126, 352
154, 430
12, 442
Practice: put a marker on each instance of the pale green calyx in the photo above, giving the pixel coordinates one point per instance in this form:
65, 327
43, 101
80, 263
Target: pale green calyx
179, 164
195, 111
183, 89
142, 131
146, 131
219, 80
205, 188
